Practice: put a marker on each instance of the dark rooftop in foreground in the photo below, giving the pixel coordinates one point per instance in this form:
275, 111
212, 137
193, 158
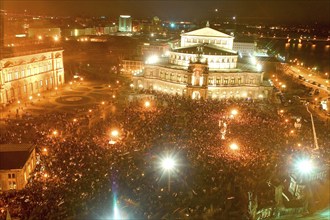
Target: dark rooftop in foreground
14, 156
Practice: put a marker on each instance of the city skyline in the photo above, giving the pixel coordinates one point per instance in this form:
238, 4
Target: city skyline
261, 11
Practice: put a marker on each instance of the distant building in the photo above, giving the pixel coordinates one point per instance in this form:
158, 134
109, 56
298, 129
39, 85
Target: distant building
245, 48
207, 35
131, 66
24, 74
154, 48
205, 66
17, 161
44, 32
125, 23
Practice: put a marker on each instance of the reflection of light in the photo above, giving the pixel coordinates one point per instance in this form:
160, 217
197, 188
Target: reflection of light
112, 142
305, 166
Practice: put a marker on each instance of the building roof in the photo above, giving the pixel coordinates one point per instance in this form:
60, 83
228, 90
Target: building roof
14, 156
206, 49
207, 32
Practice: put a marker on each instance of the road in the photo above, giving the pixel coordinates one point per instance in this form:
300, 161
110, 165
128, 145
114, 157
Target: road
310, 77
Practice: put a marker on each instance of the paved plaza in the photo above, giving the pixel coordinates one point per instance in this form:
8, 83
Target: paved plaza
68, 98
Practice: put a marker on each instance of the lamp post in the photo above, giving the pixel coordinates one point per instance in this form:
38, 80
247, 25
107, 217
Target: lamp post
313, 128
168, 164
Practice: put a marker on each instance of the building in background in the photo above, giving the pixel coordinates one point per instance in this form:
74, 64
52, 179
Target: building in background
245, 48
125, 23
17, 161
205, 66
26, 73
41, 32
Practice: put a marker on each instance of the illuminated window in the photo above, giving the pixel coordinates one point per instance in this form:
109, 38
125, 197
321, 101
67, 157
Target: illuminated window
239, 80
40, 83
218, 81
225, 81
9, 77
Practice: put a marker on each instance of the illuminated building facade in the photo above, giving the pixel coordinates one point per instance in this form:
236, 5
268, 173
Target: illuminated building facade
28, 73
17, 161
205, 66
125, 23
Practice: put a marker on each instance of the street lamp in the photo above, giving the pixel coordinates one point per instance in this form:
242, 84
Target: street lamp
114, 133
234, 147
147, 104
168, 164
305, 166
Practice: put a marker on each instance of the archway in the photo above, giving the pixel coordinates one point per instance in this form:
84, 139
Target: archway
196, 95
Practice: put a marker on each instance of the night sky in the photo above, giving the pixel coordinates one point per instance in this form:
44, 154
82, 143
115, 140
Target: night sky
296, 11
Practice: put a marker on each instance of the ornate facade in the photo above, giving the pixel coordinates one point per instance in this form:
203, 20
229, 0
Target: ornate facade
205, 66
23, 75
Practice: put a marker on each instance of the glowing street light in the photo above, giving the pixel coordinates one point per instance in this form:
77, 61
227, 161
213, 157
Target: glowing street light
147, 104
152, 59
55, 133
114, 133
305, 166
234, 146
168, 164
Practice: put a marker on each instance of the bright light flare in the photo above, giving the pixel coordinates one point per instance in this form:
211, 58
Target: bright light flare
147, 104
305, 166
168, 164
234, 112
152, 59
234, 146
114, 133
259, 67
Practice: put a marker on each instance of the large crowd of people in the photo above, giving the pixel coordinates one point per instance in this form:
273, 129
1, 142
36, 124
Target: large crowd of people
88, 172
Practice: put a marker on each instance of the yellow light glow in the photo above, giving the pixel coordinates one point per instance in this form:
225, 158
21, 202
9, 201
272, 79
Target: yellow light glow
234, 112
234, 146
114, 133
147, 104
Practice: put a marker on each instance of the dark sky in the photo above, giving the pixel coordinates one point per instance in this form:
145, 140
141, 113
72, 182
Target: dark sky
297, 11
